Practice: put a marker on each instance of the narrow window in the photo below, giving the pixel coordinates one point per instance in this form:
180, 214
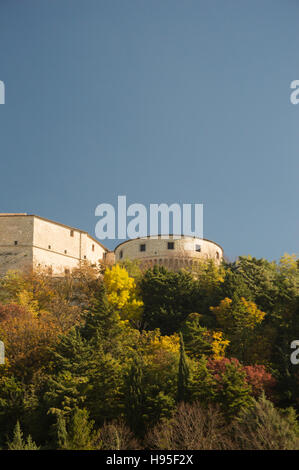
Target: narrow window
72, 233
198, 248
65, 252
217, 254
121, 254
84, 256
49, 247
170, 245
16, 243
142, 247
92, 247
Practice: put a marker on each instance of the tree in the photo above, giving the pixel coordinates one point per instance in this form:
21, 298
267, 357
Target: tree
183, 374
81, 435
201, 341
122, 293
168, 298
62, 436
254, 279
193, 427
230, 389
134, 397
238, 318
18, 443
262, 427
27, 338
78, 434
116, 435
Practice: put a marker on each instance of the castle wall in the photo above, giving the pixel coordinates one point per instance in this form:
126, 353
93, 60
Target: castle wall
61, 248
16, 237
157, 252
28, 241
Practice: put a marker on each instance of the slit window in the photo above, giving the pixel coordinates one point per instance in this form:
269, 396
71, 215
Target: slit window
72, 233
16, 242
92, 247
121, 254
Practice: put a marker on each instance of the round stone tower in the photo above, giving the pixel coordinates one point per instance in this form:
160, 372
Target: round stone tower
172, 252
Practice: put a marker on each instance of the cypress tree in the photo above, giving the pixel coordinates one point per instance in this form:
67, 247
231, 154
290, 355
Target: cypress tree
183, 373
134, 397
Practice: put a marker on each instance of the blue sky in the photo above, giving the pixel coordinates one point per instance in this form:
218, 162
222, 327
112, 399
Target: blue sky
161, 101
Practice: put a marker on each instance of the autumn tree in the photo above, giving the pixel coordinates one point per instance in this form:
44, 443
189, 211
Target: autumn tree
122, 293
238, 318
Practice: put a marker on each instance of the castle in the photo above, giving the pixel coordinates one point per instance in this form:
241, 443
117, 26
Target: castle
30, 241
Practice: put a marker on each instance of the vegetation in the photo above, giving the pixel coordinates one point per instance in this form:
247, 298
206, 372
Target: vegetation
125, 359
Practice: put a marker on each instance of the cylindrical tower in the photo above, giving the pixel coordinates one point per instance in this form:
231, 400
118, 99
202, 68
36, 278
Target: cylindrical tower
171, 252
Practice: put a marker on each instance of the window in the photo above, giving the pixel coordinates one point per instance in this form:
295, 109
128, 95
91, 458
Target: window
92, 247
142, 247
72, 233
198, 248
65, 252
49, 247
121, 254
170, 245
84, 256
16, 243
217, 254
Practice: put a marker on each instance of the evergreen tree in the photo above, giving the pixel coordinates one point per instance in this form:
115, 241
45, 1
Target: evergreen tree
134, 397
18, 443
81, 433
62, 435
183, 373
168, 298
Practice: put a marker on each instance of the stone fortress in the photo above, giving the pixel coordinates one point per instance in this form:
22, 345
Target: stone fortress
30, 241
171, 252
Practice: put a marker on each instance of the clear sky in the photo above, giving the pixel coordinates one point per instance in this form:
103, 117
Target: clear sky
159, 100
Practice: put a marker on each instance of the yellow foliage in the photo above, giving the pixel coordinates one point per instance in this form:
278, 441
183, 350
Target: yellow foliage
244, 312
122, 293
288, 263
209, 274
219, 344
255, 315
168, 343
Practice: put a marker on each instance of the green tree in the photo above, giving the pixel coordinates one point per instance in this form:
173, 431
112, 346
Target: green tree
81, 435
183, 374
62, 436
18, 443
134, 401
168, 298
